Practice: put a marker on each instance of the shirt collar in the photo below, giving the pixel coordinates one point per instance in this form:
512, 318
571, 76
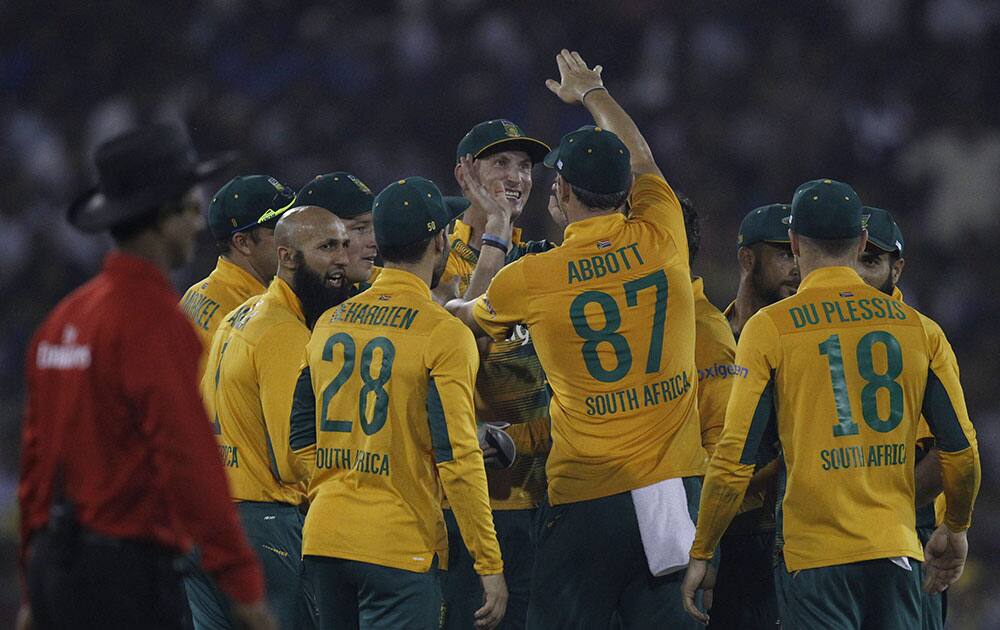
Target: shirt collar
283, 293
390, 280
698, 286
229, 272
825, 277
896, 293
137, 268
594, 227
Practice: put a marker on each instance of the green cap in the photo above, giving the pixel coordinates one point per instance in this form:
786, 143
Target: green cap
593, 159
493, 136
411, 210
248, 201
766, 224
883, 232
826, 209
341, 193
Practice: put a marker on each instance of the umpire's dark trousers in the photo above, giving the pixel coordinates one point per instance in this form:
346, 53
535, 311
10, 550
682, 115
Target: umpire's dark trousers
100, 582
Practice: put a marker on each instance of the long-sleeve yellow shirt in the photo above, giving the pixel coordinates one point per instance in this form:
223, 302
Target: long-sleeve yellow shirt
714, 356
611, 314
383, 413
511, 384
208, 301
846, 370
253, 364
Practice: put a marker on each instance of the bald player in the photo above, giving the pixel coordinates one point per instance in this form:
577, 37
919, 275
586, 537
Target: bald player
744, 594
383, 415
350, 199
253, 364
848, 519
241, 218
611, 314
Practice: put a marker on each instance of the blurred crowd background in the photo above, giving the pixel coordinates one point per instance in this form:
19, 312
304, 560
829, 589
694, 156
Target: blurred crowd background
741, 100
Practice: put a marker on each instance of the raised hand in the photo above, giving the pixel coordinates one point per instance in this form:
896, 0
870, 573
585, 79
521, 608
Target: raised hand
494, 203
575, 78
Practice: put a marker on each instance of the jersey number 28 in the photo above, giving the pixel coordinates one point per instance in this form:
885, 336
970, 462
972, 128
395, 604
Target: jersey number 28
370, 383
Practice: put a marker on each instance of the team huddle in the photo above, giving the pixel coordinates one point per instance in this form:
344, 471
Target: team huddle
483, 431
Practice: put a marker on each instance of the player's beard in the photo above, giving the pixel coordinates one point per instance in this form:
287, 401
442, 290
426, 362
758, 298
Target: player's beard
766, 293
442, 262
888, 287
313, 292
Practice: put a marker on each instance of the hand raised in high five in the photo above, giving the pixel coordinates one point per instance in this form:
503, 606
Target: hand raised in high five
575, 78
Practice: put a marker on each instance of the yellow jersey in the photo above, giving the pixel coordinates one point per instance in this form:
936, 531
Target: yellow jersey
383, 413
714, 356
846, 372
253, 364
611, 315
511, 384
208, 301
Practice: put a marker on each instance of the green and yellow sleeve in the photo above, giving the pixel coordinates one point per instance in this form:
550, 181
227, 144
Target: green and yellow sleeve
653, 200
279, 355
504, 305
750, 409
302, 424
453, 361
948, 418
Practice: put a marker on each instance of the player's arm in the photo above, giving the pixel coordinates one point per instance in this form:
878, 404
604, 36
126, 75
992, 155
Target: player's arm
958, 454
302, 432
579, 84
750, 409
452, 361
279, 358
159, 372
500, 309
713, 389
955, 438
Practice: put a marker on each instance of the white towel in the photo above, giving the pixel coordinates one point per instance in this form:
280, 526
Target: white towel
664, 525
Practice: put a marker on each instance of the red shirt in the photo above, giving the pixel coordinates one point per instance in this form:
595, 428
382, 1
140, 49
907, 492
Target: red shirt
113, 396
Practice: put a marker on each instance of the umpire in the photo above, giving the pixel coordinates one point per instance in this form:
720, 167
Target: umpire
119, 470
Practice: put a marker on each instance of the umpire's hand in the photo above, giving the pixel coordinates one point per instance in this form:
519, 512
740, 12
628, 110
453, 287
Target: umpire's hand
255, 616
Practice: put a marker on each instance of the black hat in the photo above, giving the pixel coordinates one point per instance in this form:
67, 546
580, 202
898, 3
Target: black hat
138, 170
594, 159
766, 224
413, 209
826, 209
341, 193
498, 135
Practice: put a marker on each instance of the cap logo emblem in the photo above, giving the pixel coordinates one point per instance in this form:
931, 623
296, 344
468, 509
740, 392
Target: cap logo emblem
786, 220
431, 226
277, 185
511, 129
360, 184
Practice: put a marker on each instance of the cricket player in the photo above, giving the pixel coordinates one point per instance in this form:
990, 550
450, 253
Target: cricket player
744, 594
241, 218
350, 199
494, 161
881, 265
848, 517
611, 314
714, 346
383, 416
253, 366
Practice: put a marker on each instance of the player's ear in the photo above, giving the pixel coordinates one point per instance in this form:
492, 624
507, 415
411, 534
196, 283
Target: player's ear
239, 242
897, 270
745, 256
286, 258
863, 241
793, 240
440, 242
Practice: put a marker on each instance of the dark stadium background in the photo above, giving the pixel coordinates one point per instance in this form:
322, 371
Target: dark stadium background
741, 100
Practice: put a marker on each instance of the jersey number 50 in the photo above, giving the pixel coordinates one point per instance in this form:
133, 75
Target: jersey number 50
370, 384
